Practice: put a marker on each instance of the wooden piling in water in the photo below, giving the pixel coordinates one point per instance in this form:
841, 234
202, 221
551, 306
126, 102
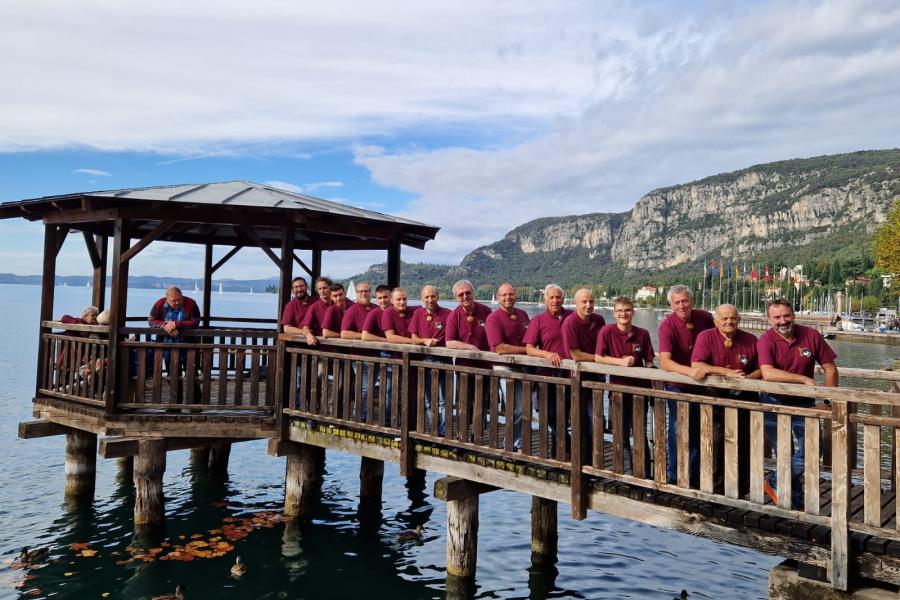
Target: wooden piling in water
543, 531
371, 475
81, 462
218, 459
303, 475
200, 457
462, 536
149, 468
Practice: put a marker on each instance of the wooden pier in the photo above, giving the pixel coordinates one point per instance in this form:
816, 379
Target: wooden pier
108, 390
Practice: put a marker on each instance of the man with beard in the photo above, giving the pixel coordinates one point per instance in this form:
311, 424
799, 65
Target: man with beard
788, 353
295, 309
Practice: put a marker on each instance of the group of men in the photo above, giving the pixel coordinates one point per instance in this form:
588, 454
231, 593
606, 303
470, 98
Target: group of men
692, 343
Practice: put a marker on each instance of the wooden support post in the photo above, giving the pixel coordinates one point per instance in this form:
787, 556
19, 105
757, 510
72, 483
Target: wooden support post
316, 264
149, 468
393, 264
118, 304
98, 291
287, 270
48, 288
371, 475
207, 284
543, 531
126, 464
840, 497
200, 458
301, 481
462, 536
218, 459
81, 462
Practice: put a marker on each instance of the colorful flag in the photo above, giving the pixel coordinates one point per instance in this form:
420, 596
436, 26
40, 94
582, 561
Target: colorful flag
754, 274
713, 270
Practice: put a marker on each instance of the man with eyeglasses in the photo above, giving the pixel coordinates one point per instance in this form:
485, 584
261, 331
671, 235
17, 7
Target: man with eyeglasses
351, 329
334, 315
428, 328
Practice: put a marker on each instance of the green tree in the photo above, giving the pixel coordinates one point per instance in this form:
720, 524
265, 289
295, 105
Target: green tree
834, 273
853, 266
887, 242
871, 304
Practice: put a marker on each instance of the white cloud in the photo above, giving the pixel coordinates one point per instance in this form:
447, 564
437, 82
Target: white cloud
772, 82
93, 172
312, 187
285, 185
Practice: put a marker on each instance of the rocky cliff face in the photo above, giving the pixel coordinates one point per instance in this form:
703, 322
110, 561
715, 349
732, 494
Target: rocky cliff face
738, 215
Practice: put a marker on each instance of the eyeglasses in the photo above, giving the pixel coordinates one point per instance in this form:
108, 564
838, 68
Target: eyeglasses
365, 291
464, 294
623, 311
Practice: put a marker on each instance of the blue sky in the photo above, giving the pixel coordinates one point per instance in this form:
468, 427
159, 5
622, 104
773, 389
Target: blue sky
475, 118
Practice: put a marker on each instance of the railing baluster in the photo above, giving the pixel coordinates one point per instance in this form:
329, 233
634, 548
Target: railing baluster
840, 497
732, 442
639, 429
156, 391
526, 415
254, 376
783, 460
478, 408
420, 401
683, 472
462, 403
811, 468
448, 394
707, 456
190, 377
224, 360
618, 429
561, 421
494, 410
174, 375
872, 475
239, 359
660, 475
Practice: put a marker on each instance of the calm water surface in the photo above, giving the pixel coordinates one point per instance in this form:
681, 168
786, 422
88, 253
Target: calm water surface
339, 555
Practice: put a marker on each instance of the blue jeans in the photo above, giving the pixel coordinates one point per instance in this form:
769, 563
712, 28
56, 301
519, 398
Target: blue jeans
693, 440
517, 405
442, 400
798, 432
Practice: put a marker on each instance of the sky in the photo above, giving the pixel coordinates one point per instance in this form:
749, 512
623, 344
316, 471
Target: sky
474, 117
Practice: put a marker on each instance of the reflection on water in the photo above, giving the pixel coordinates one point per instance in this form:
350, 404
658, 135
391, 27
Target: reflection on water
347, 550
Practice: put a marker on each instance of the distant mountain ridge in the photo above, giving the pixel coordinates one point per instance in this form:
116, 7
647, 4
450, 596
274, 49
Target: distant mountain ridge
150, 282
786, 212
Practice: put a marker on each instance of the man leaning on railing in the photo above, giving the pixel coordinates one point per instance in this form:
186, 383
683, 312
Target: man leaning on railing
788, 353
173, 314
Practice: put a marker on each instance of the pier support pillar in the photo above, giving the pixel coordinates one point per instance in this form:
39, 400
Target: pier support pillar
149, 468
200, 458
543, 531
218, 459
303, 477
126, 465
371, 475
462, 536
81, 463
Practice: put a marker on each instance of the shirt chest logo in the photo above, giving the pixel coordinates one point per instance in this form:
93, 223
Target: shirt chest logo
744, 360
805, 352
439, 325
636, 348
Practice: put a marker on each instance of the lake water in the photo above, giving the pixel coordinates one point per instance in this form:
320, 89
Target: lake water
335, 556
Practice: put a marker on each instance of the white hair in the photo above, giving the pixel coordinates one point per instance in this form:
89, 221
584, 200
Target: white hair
461, 283
679, 289
553, 286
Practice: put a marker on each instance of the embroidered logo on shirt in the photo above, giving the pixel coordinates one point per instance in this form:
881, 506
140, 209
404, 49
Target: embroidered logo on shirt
481, 323
439, 325
637, 348
805, 352
744, 360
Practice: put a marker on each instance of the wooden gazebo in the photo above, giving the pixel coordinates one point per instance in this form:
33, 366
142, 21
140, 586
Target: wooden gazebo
228, 380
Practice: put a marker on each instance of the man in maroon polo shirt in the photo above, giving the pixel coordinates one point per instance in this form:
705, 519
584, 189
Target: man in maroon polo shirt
428, 328
543, 339
322, 285
395, 323
623, 344
505, 328
295, 309
581, 328
788, 353
355, 316
371, 330
728, 351
315, 314
677, 335
334, 314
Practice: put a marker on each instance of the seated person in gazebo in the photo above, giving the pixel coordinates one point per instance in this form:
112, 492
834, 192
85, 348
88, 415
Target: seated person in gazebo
88, 317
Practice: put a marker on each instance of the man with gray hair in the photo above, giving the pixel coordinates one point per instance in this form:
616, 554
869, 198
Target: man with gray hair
677, 336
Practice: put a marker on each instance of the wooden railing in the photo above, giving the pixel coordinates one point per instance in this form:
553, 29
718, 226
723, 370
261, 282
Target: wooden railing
210, 369
343, 383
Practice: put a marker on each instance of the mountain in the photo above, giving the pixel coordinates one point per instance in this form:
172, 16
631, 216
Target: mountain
788, 212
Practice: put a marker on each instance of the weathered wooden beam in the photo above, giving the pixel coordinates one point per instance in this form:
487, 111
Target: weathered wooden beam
371, 477
63, 234
207, 283
279, 448
302, 481
544, 537
48, 289
219, 453
117, 447
393, 264
98, 290
286, 270
462, 536
251, 233
118, 305
225, 258
302, 265
93, 251
145, 241
449, 489
36, 429
316, 263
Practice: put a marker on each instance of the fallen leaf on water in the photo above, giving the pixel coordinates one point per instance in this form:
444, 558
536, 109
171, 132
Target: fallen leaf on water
69, 573
88, 553
104, 594
115, 553
123, 562
215, 531
196, 536
155, 550
34, 592
182, 537
219, 504
79, 547
165, 544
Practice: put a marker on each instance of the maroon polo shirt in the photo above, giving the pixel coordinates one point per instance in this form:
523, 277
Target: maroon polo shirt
545, 332
435, 328
475, 333
677, 339
315, 316
355, 316
391, 319
580, 334
710, 349
798, 356
334, 315
618, 344
372, 323
501, 328
295, 310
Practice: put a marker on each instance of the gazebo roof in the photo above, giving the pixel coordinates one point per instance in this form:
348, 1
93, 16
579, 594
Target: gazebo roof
220, 213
